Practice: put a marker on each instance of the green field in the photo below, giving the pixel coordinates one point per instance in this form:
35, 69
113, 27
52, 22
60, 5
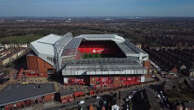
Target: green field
20, 39
86, 56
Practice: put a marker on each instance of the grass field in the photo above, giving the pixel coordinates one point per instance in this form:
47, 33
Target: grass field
85, 56
20, 39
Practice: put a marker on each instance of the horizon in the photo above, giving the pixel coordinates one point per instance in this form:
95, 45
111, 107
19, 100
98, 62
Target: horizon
126, 17
96, 8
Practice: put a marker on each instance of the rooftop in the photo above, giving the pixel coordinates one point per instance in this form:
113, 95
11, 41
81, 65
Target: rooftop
49, 39
18, 92
45, 44
64, 92
128, 48
113, 37
123, 65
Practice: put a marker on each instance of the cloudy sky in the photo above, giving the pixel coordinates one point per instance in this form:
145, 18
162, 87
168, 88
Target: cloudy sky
61, 8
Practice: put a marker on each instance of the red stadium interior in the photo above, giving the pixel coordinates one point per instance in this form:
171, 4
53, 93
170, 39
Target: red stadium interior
104, 48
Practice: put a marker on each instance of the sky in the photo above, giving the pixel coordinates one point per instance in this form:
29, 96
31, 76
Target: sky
81, 8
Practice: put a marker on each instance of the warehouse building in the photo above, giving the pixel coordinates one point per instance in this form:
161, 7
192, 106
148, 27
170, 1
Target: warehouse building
17, 96
89, 58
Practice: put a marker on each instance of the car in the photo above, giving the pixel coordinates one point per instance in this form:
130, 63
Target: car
153, 76
127, 100
98, 97
115, 107
130, 97
81, 102
159, 96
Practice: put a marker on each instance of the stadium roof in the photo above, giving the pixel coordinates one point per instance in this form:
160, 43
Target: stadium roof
58, 47
45, 44
61, 43
49, 39
73, 44
50, 46
112, 37
83, 66
17, 92
130, 49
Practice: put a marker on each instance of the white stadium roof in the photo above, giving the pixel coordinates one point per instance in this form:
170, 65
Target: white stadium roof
53, 48
45, 44
50, 39
112, 37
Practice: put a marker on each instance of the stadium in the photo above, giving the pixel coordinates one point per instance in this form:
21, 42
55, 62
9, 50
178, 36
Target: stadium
89, 59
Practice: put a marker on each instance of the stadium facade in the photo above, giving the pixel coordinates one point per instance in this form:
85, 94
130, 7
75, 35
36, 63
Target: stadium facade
89, 58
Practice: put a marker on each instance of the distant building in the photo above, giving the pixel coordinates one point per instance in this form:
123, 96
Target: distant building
185, 106
139, 45
174, 70
10, 55
173, 73
189, 106
191, 72
12, 45
184, 70
1, 47
179, 107
183, 67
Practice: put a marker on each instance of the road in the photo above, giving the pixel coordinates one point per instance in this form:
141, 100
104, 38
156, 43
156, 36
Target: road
90, 100
74, 104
